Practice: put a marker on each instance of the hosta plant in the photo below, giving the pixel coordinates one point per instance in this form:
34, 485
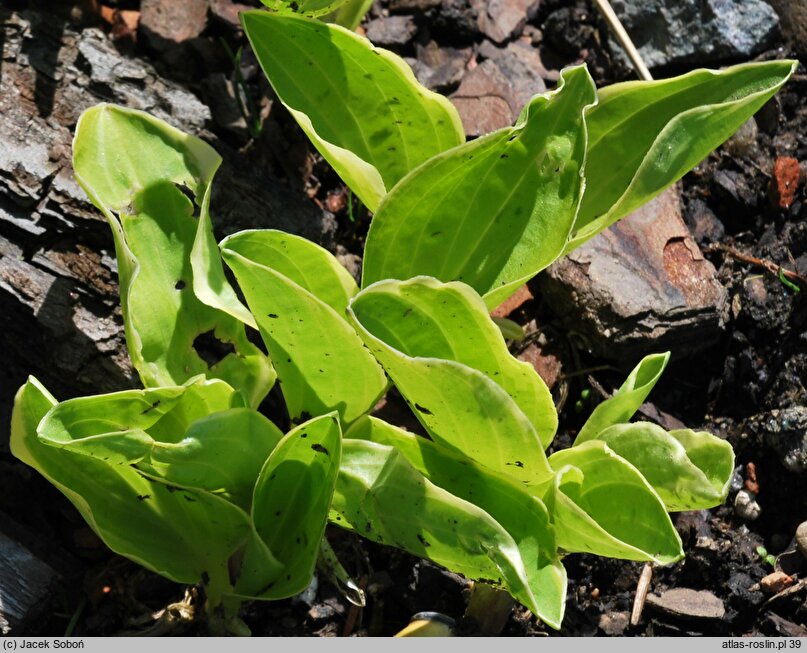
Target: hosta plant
188, 478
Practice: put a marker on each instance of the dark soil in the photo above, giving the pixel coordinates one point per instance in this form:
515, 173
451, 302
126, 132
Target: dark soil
739, 389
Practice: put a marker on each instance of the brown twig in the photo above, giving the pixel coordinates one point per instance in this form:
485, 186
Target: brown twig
641, 594
764, 263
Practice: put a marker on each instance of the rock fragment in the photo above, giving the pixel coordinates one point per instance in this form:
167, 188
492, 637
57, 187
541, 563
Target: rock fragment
167, 22
688, 603
391, 31
716, 30
775, 582
639, 287
785, 181
492, 95
614, 623
801, 538
502, 20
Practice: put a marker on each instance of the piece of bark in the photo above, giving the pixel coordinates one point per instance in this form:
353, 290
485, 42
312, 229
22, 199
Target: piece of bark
25, 587
639, 287
59, 304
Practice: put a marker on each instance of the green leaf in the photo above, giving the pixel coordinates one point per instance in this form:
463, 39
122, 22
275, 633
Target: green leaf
292, 499
644, 136
460, 407
310, 8
350, 13
382, 497
713, 456
626, 401
360, 105
223, 453
665, 463
308, 265
517, 510
601, 504
183, 534
425, 318
139, 171
321, 362
494, 212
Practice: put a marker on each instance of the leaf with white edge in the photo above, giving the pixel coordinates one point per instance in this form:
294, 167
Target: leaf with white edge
109, 427
666, 465
292, 499
460, 407
321, 362
382, 497
713, 456
645, 135
360, 105
510, 503
626, 401
425, 318
601, 504
183, 534
305, 263
496, 211
140, 172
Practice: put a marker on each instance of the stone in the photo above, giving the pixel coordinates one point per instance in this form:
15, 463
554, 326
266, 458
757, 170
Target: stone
716, 30
492, 95
785, 181
744, 141
546, 364
440, 69
168, 22
614, 623
515, 301
793, 21
801, 538
785, 431
226, 13
746, 506
502, 20
390, 31
775, 582
688, 604
639, 287
482, 100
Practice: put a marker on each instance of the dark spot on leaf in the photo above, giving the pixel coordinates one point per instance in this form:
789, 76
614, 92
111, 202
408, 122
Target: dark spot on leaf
150, 408
188, 498
338, 518
272, 315
320, 449
303, 435
278, 513
172, 488
423, 410
180, 285
143, 497
205, 578
513, 137
392, 148
503, 156
423, 540
436, 233
407, 312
